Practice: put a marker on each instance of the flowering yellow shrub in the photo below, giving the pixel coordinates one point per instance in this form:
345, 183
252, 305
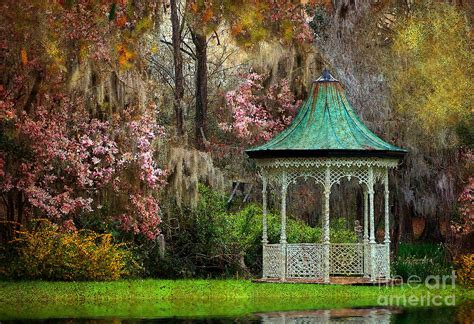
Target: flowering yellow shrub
49, 253
465, 269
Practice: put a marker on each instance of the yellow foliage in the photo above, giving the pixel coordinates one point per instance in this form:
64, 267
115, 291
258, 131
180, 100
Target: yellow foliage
143, 25
247, 24
53, 51
464, 312
465, 269
83, 52
154, 49
51, 254
430, 74
287, 27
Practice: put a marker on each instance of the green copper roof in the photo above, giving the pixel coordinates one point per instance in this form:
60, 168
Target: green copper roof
326, 125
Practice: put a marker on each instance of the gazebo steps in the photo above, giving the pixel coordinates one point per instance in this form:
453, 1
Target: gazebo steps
351, 281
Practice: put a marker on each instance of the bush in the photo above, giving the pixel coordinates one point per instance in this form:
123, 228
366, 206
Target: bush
47, 253
465, 269
211, 241
197, 240
421, 260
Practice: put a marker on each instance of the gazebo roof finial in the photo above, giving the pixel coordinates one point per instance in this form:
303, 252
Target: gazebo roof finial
326, 77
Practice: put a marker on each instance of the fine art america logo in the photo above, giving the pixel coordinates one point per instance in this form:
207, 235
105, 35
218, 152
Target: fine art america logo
427, 297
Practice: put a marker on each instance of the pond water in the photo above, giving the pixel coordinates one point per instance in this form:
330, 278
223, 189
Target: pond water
463, 313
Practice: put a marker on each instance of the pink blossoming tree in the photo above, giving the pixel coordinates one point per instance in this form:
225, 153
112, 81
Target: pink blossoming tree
257, 113
66, 162
60, 157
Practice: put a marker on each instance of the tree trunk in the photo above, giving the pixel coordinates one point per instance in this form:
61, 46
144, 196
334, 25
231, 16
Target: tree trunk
397, 229
402, 227
178, 70
200, 43
34, 91
431, 232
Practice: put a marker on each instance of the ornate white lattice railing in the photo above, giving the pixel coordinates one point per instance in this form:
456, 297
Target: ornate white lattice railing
306, 260
346, 259
272, 260
380, 261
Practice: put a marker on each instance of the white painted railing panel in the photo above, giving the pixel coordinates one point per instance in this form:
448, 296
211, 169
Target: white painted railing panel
380, 261
346, 259
305, 261
272, 261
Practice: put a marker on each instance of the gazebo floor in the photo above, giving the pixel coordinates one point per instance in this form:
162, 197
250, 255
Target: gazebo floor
352, 281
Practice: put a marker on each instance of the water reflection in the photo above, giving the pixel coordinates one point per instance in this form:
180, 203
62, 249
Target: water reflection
349, 315
463, 313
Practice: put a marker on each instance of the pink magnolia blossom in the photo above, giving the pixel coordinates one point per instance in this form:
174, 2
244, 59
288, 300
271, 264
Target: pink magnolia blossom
142, 217
146, 132
258, 113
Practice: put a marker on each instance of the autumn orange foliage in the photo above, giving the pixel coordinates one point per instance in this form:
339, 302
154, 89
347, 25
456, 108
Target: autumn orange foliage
125, 56
252, 22
24, 57
465, 269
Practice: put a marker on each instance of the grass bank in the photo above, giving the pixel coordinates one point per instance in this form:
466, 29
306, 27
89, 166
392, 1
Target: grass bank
163, 298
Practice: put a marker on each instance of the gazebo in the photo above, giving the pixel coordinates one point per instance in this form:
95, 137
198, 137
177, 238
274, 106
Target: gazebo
327, 142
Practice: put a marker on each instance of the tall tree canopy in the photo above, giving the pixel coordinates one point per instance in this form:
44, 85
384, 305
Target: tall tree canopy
76, 145
431, 75
249, 23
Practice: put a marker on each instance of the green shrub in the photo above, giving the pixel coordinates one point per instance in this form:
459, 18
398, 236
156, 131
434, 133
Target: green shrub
247, 227
47, 253
421, 260
198, 243
214, 242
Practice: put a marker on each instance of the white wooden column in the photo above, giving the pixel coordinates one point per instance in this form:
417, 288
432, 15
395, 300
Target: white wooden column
264, 210
386, 222
326, 239
284, 188
264, 224
370, 189
365, 239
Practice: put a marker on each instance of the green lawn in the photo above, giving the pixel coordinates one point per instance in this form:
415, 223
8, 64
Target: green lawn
162, 298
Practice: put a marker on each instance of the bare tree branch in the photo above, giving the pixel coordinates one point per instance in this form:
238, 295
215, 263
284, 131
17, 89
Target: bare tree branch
192, 55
